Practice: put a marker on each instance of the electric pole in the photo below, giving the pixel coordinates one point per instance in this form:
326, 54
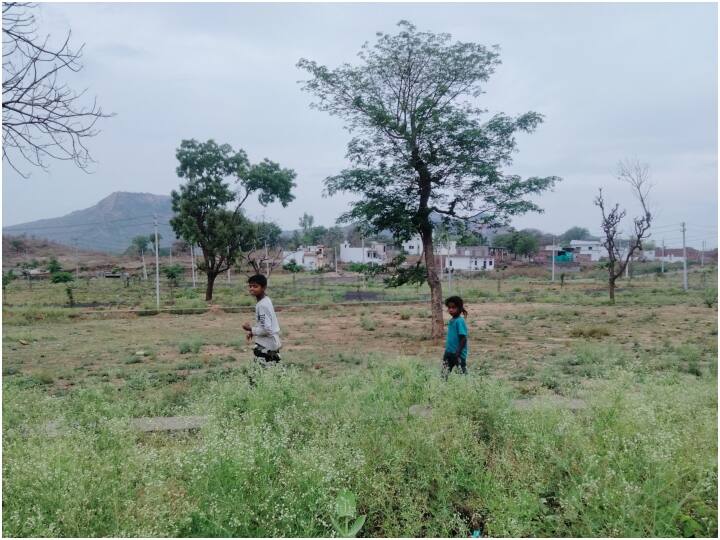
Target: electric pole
702, 254
192, 263
685, 277
662, 259
553, 260
77, 260
157, 266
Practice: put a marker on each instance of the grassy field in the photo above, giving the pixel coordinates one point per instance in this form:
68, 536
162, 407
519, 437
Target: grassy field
577, 419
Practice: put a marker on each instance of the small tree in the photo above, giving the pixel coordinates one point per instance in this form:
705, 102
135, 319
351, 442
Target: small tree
637, 176
526, 244
173, 273
140, 243
18, 245
293, 268
208, 210
151, 240
54, 266
7, 278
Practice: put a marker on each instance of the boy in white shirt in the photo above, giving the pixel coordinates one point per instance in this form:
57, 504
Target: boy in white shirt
266, 330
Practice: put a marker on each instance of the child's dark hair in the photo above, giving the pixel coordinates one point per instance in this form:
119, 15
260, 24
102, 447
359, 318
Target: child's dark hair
259, 279
458, 303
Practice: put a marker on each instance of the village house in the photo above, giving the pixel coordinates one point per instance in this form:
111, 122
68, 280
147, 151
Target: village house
414, 246
373, 253
470, 259
592, 248
309, 257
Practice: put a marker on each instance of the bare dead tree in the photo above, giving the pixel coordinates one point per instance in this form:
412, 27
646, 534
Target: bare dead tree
43, 118
637, 175
262, 262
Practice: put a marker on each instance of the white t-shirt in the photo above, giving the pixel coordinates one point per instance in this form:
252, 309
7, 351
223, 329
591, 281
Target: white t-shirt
266, 331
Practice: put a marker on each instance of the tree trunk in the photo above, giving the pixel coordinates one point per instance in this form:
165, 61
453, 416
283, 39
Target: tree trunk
210, 283
436, 301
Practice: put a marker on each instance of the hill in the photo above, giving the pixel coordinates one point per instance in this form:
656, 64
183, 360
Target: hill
108, 226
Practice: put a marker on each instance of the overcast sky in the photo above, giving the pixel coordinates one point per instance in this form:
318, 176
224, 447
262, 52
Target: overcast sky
613, 81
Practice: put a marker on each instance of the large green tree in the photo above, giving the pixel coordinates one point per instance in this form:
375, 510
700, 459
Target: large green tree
576, 233
208, 209
420, 144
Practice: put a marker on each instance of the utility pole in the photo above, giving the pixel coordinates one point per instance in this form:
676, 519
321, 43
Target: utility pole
192, 263
267, 261
553, 260
702, 254
335, 257
685, 277
228, 270
77, 260
157, 266
662, 259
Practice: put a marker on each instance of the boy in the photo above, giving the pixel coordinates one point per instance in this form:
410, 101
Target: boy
266, 331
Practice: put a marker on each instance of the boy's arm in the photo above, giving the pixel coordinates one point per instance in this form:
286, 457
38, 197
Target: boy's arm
265, 326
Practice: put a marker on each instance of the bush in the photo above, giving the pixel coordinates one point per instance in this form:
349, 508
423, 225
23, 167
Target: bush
590, 332
192, 346
62, 277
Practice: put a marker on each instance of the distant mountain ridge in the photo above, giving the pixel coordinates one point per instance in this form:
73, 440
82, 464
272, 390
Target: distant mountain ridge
108, 226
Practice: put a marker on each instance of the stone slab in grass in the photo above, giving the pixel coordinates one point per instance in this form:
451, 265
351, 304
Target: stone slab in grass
168, 423
550, 402
422, 411
157, 424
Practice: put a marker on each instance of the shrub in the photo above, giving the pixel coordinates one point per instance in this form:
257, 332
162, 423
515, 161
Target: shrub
367, 324
192, 346
590, 332
61, 277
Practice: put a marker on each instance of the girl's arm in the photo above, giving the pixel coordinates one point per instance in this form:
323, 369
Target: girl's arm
461, 345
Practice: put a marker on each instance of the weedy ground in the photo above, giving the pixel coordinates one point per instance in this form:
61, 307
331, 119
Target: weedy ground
639, 458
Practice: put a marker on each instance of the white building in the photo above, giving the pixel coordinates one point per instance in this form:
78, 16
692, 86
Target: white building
309, 257
375, 252
589, 247
414, 246
669, 258
468, 263
469, 259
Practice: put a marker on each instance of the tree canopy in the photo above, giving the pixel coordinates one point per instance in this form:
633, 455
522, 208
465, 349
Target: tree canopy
208, 209
420, 144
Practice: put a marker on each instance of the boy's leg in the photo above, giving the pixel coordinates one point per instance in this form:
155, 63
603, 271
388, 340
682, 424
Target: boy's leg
463, 365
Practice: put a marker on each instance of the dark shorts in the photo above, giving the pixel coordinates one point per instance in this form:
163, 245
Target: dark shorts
266, 355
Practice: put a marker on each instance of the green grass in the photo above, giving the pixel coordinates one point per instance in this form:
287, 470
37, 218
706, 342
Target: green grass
281, 444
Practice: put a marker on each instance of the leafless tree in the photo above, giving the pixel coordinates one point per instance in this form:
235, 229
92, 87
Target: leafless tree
43, 118
263, 262
637, 175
